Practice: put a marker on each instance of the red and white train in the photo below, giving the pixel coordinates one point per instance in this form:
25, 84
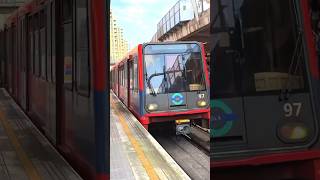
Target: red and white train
53, 63
161, 82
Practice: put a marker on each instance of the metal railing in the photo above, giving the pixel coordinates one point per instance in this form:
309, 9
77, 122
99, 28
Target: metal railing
183, 11
12, 2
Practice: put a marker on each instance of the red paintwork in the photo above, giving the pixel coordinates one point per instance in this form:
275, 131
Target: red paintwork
268, 159
196, 111
205, 66
140, 64
98, 47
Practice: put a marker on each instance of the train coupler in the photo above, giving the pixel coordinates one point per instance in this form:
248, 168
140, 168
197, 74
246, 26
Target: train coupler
183, 127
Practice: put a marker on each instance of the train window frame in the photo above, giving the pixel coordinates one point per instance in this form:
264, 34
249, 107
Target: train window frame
53, 42
83, 87
36, 41
67, 12
31, 44
48, 42
68, 32
43, 45
131, 74
136, 73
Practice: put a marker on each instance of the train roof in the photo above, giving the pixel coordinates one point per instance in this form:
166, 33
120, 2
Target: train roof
171, 42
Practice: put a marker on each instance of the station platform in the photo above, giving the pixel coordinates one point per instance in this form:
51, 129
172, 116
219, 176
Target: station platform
25, 154
134, 153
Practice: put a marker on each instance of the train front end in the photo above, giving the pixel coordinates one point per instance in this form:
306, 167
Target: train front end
265, 92
176, 85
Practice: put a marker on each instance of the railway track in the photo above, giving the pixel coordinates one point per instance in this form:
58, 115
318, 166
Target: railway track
191, 154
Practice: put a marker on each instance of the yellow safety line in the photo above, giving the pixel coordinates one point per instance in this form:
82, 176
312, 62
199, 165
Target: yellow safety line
26, 162
145, 162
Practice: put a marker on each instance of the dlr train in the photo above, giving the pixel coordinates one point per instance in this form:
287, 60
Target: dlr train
164, 82
53, 63
265, 95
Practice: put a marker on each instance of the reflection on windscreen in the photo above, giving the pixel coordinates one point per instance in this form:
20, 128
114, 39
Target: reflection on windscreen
258, 47
174, 72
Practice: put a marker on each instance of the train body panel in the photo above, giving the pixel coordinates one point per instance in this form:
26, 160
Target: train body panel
55, 70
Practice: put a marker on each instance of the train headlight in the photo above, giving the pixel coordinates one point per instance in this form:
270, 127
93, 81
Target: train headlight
202, 103
152, 107
293, 132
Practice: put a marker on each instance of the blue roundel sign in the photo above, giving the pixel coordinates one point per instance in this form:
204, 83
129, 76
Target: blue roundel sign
222, 119
177, 99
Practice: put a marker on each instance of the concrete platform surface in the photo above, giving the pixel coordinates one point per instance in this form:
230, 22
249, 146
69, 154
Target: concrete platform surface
25, 154
134, 153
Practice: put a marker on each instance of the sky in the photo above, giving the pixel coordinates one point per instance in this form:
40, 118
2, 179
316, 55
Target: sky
139, 18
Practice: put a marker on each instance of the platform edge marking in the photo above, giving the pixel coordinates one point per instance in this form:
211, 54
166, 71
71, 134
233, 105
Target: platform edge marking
31, 171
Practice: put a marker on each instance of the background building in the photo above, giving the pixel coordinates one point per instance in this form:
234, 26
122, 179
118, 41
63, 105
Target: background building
118, 45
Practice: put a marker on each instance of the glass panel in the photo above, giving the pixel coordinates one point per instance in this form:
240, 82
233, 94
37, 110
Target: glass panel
49, 48
177, 72
155, 81
36, 50
43, 52
83, 67
258, 47
67, 10
68, 64
136, 73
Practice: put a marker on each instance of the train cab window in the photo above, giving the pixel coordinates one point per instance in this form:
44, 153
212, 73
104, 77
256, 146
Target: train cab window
36, 46
258, 49
68, 44
43, 45
82, 50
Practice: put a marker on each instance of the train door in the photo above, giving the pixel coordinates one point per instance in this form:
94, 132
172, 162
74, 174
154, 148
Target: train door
65, 71
51, 125
19, 61
14, 61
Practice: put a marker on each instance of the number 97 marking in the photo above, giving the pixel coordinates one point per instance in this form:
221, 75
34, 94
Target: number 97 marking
292, 109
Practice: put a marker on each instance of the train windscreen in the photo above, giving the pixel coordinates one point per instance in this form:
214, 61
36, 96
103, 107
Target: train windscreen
260, 78
261, 47
173, 68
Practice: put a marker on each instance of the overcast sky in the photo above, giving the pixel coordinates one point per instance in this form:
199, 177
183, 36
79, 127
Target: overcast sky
139, 18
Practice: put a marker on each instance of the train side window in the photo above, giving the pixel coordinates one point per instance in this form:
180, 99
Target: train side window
43, 45
82, 48
36, 46
131, 74
68, 44
53, 41
49, 46
135, 70
31, 45
67, 10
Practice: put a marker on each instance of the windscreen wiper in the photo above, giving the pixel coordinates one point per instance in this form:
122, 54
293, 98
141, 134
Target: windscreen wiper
293, 68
